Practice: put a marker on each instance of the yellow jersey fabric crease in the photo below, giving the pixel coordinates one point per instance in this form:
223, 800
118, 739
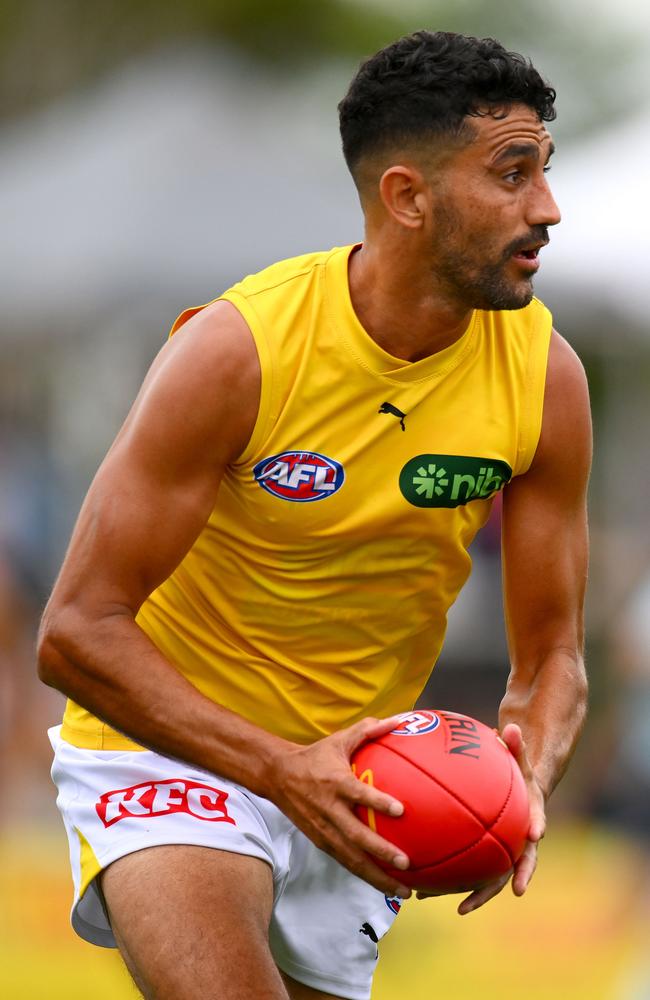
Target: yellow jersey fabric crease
318, 591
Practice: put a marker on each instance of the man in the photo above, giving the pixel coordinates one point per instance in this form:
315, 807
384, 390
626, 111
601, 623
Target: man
265, 559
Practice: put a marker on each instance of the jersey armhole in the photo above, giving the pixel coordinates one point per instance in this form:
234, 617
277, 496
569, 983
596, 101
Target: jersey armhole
534, 386
267, 373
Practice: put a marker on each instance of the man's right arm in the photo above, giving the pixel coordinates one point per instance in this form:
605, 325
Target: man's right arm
146, 506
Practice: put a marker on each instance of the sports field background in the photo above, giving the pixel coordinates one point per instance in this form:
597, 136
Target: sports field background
132, 136
579, 934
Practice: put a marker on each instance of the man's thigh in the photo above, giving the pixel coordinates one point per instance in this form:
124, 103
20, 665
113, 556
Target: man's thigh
121, 808
118, 803
193, 922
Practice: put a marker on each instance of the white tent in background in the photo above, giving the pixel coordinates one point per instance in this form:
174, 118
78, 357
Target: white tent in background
168, 179
601, 250
179, 174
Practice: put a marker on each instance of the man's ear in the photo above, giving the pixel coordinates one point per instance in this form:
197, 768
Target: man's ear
404, 194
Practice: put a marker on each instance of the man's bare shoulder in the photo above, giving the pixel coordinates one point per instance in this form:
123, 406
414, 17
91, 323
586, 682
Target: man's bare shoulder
203, 384
215, 332
565, 369
566, 423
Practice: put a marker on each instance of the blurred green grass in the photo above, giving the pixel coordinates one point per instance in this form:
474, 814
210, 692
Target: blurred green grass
573, 935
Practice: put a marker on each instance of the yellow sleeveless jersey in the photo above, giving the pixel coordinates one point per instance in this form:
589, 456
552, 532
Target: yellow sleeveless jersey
318, 591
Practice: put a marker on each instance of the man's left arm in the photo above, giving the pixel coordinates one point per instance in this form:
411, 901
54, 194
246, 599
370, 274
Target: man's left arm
545, 552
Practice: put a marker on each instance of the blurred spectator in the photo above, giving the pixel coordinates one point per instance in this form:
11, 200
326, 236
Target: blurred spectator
623, 801
26, 708
15, 666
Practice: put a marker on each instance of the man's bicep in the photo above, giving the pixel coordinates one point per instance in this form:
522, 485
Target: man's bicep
158, 484
545, 565
545, 546
132, 532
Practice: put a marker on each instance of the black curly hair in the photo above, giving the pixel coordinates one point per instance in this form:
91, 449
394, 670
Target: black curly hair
426, 85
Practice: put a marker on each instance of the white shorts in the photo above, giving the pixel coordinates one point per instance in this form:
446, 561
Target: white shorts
325, 923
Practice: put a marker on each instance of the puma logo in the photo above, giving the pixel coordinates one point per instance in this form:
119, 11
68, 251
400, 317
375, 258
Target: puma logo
389, 408
370, 931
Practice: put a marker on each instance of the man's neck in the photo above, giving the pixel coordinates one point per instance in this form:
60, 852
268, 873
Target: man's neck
399, 305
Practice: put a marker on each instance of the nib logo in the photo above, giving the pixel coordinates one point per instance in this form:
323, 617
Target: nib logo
430, 480
451, 480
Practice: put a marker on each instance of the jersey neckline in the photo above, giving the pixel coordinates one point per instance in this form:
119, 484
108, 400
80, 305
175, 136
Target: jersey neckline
367, 351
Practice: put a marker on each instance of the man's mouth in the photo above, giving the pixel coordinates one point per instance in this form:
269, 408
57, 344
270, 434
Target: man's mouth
528, 254
528, 257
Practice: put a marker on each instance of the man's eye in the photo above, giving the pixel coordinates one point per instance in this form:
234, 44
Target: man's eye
514, 176
547, 168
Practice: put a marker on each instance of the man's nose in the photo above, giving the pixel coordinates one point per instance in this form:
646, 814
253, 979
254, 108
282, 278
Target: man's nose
543, 209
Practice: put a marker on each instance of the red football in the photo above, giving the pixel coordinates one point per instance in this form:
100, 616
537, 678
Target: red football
466, 813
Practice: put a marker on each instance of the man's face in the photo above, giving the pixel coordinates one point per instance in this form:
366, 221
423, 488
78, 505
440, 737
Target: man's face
492, 207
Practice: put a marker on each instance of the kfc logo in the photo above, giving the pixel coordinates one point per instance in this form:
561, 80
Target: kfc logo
159, 798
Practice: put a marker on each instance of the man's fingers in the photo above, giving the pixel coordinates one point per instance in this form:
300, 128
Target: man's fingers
512, 735
523, 873
524, 869
364, 837
330, 820
363, 868
537, 827
514, 740
360, 794
481, 896
337, 842
367, 729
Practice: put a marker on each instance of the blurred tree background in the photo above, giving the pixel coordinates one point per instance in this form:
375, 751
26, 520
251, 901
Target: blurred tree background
48, 49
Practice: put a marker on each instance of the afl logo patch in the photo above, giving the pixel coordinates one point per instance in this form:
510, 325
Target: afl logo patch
302, 476
416, 723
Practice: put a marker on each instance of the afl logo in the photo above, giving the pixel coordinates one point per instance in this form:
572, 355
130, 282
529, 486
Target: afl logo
302, 476
416, 723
